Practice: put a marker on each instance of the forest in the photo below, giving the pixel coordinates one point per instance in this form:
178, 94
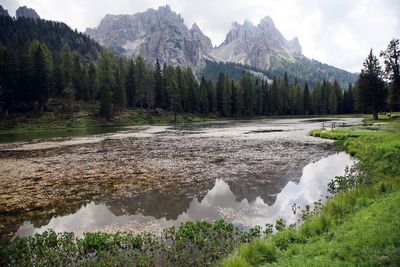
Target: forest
36, 69
31, 78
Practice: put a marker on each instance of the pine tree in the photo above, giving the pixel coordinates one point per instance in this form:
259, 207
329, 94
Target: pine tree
141, 82
298, 99
275, 102
247, 85
220, 92
348, 102
92, 83
203, 101
173, 90
131, 85
119, 97
212, 96
332, 102
41, 66
371, 85
306, 100
227, 98
265, 97
392, 71
106, 81
160, 97
8, 80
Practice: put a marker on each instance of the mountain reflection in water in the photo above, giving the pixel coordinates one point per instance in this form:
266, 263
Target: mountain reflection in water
219, 202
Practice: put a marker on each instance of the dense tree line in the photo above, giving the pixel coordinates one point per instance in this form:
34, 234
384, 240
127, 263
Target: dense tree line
31, 76
302, 71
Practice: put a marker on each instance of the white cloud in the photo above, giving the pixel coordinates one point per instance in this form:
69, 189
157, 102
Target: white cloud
339, 32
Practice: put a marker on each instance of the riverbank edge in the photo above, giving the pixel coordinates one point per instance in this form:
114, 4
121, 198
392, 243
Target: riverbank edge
48, 121
356, 227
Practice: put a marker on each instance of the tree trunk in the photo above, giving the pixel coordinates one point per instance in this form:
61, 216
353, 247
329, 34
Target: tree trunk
375, 115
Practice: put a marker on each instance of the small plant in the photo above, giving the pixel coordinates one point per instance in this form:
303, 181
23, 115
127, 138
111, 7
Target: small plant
280, 224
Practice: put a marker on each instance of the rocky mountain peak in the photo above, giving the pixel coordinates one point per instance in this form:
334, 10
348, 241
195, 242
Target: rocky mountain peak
26, 12
3, 12
295, 46
197, 34
266, 23
261, 46
165, 8
154, 34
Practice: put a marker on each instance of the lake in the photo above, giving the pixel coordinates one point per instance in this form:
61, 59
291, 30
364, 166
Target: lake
151, 177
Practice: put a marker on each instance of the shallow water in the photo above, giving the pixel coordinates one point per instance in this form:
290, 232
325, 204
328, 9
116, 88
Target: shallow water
219, 202
40, 135
150, 177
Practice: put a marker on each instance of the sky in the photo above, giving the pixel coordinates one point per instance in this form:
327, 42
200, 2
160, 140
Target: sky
336, 32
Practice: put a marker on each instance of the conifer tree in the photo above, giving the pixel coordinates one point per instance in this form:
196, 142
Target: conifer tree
119, 96
306, 100
41, 66
371, 85
392, 71
159, 89
130, 85
92, 83
106, 81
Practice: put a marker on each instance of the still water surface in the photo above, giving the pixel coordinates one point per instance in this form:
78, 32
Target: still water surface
219, 202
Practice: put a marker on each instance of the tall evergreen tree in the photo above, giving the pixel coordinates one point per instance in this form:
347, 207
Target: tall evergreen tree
160, 96
203, 101
348, 101
265, 97
392, 71
141, 82
41, 66
92, 83
131, 85
248, 85
306, 100
220, 92
371, 85
298, 100
119, 96
227, 98
106, 81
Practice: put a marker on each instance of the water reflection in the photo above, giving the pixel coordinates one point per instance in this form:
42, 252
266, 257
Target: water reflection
219, 202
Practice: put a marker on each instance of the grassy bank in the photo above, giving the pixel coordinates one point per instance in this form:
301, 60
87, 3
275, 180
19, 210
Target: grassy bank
360, 225
86, 119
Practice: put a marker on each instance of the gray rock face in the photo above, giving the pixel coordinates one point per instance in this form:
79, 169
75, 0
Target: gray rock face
3, 12
154, 34
162, 34
260, 46
26, 13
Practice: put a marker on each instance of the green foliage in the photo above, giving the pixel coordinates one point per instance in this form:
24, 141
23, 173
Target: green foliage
193, 243
21, 32
391, 58
371, 87
359, 225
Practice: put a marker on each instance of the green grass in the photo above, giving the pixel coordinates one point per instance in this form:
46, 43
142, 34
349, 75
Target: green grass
359, 226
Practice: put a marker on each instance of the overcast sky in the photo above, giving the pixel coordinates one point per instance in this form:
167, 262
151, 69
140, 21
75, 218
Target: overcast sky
336, 32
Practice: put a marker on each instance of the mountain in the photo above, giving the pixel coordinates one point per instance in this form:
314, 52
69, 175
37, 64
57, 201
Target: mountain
25, 12
260, 49
261, 46
3, 12
154, 34
19, 33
